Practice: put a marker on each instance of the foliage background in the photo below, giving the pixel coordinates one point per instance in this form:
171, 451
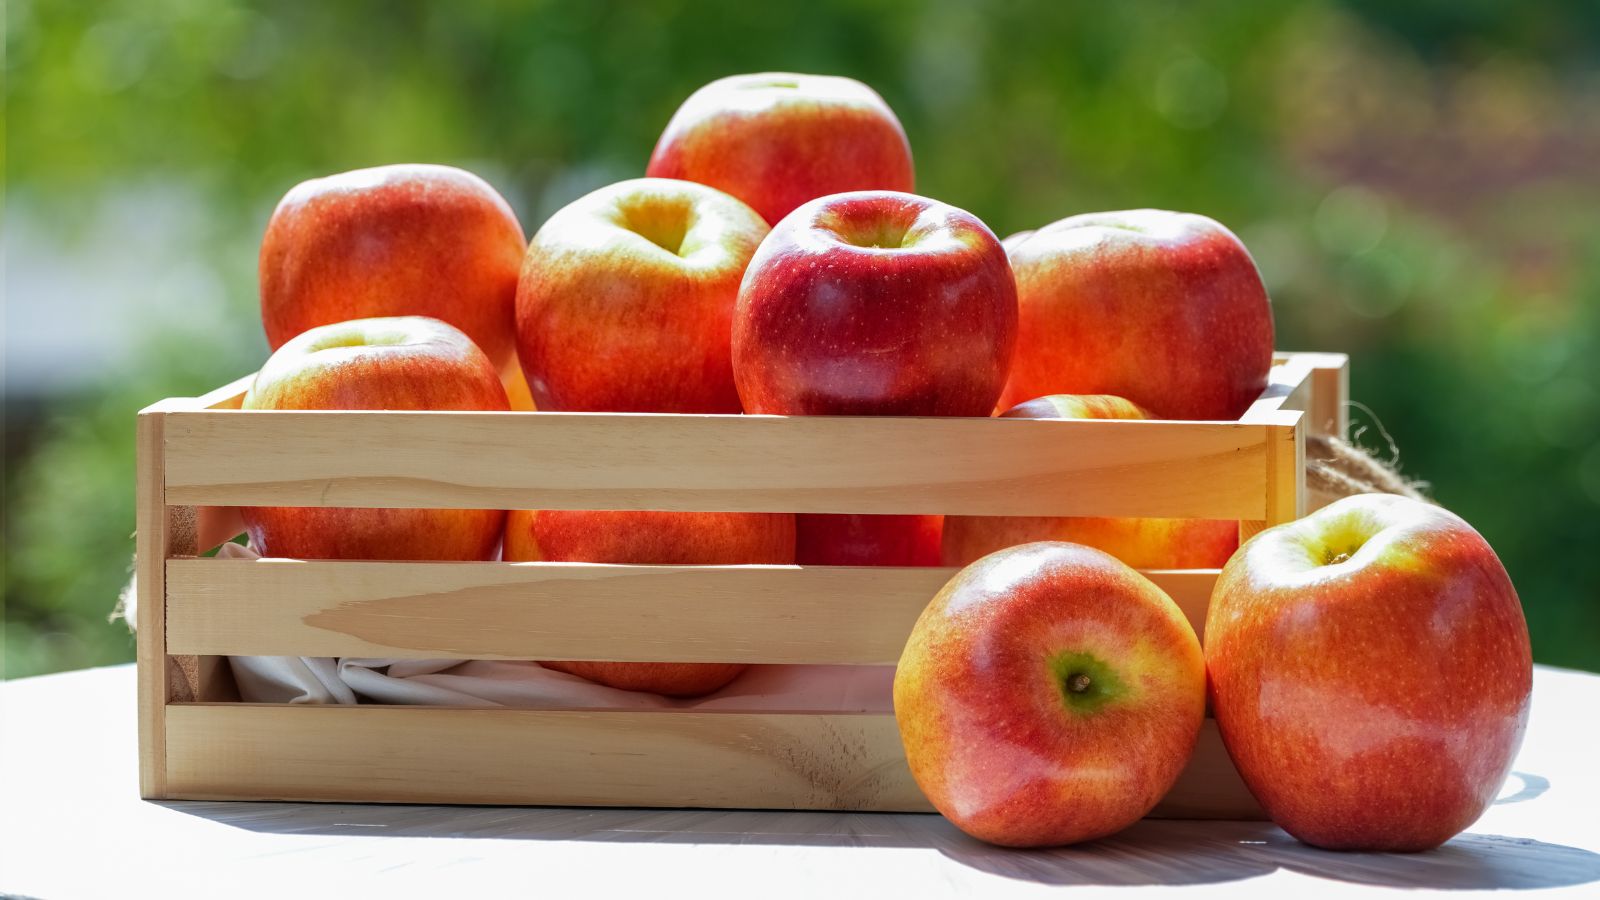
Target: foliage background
1417, 181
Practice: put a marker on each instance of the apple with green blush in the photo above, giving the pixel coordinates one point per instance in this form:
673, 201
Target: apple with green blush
1049, 695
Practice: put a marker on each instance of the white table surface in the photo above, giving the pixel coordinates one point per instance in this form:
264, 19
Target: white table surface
72, 825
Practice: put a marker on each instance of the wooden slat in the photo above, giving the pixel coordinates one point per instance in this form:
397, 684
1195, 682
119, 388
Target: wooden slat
150, 549
1330, 396
757, 760
721, 463
428, 610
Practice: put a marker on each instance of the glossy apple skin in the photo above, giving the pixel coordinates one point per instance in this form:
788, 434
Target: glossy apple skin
405, 362
875, 304
1148, 543
994, 738
627, 295
651, 538
400, 240
857, 540
777, 139
1166, 309
1375, 703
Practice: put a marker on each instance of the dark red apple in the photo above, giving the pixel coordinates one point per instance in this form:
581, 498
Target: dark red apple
875, 304
857, 540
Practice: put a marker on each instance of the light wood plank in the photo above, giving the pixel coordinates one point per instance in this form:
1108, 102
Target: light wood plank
150, 548
428, 610
1330, 396
722, 463
750, 760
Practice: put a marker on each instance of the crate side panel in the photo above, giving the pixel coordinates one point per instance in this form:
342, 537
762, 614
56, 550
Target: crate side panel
423, 610
566, 758
717, 463
727, 760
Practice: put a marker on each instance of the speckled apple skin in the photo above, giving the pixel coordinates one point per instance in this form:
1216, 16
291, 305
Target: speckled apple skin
399, 240
405, 363
1148, 543
777, 140
823, 539
828, 324
610, 321
1374, 704
987, 734
645, 537
1166, 309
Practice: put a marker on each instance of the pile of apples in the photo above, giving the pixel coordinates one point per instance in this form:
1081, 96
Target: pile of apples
1368, 665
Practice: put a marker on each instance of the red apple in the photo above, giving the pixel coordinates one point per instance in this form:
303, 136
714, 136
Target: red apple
1141, 543
875, 304
1163, 308
627, 296
1370, 673
1048, 695
400, 240
406, 362
776, 140
651, 538
856, 540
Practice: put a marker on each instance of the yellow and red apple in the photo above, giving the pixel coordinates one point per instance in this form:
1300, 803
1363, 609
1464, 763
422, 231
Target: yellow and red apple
405, 363
651, 538
1143, 543
1048, 695
1370, 673
777, 139
627, 295
403, 240
1165, 309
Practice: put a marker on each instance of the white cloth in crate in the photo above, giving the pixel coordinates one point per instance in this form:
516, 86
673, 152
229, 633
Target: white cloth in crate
454, 682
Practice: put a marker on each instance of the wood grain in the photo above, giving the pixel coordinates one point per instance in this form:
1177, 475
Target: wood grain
431, 610
389, 754
150, 548
717, 463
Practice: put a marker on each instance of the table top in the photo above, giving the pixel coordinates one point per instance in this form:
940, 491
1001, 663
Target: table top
72, 825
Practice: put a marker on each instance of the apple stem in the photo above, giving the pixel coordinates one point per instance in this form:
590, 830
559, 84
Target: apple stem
1078, 683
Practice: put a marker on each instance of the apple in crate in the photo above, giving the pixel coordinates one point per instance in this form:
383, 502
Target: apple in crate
1144, 543
854, 540
1165, 309
1370, 673
399, 363
876, 304
627, 295
643, 537
403, 240
776, 140
1049, 695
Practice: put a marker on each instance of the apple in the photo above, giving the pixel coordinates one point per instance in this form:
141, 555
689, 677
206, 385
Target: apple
645, 537
400, 240
875, 304
1011, 241
1048, 695
627, 296
776, 140
403, 362
1165, 309
863, 540
1370, 673
1148, 543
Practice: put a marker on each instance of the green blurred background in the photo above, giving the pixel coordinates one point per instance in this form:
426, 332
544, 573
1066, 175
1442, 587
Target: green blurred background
1418, 182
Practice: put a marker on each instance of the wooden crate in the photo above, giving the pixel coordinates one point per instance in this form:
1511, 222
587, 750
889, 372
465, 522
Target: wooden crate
200, 457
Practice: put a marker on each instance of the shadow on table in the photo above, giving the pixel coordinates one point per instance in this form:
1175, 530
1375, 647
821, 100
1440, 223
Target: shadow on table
1151, 852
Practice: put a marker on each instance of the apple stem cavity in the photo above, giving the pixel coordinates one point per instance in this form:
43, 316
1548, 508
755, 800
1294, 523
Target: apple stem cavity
1078, 683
